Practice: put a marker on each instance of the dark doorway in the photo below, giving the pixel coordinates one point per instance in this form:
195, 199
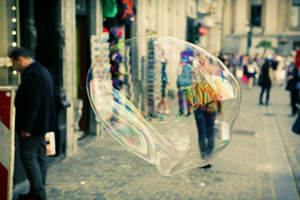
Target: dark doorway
83, 64
191, 34
41, 34
49, 44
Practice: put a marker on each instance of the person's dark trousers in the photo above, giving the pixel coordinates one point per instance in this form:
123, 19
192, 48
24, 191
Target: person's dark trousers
294, 101
263, 89
181, 101
205, 122
33, 155
182, 97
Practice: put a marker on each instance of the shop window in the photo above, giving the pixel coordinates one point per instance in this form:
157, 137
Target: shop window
256, 12
191, 34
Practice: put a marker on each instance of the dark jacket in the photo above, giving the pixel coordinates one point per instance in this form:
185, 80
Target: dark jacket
291, 84
265, 79
34, 102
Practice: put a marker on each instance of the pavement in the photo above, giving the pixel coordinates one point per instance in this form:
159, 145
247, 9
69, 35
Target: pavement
261, 162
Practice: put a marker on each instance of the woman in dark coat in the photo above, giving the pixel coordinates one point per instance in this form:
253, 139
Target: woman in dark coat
265, 81
292, 81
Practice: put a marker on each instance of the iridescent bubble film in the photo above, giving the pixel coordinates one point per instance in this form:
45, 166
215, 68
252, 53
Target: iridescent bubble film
166, 100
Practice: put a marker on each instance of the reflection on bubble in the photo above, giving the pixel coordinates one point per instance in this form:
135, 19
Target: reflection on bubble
165, 100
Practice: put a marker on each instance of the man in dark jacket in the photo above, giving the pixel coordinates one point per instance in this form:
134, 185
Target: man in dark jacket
35, 116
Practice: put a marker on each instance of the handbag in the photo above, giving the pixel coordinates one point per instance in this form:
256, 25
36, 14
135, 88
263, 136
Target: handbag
296, 125
244, 79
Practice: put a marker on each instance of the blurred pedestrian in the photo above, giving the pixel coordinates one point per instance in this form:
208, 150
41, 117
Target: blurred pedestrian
163, 103
221, 57
293, 86
205, 120
234, 61
244, 78
259, 60
35, 116
205, 115
275, 61
252, 69
184, 80
266, 80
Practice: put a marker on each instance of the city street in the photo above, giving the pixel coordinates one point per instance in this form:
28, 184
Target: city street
262, 162
61, 59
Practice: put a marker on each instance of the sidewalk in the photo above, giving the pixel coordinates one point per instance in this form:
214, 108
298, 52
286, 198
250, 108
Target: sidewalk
258, 164
290, 140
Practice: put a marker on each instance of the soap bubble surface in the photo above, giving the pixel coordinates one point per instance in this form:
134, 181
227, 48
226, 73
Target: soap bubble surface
166, 100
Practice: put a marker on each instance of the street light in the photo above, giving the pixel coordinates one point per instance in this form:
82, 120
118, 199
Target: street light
249, 36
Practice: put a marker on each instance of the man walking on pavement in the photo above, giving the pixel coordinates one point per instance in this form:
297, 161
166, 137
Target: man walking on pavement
35, 116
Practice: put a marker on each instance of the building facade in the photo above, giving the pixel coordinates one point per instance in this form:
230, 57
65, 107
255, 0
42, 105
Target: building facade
248, 22
60, 34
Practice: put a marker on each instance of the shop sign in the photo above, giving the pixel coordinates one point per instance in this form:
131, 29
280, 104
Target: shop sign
7, 138
202, 30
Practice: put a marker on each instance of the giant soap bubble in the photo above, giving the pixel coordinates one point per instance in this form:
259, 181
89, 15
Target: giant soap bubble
166, 100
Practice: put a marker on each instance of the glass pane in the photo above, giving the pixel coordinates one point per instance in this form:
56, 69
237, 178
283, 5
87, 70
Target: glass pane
256, 15
295, 16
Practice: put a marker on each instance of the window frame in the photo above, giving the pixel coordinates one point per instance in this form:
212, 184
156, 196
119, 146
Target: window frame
289, 11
